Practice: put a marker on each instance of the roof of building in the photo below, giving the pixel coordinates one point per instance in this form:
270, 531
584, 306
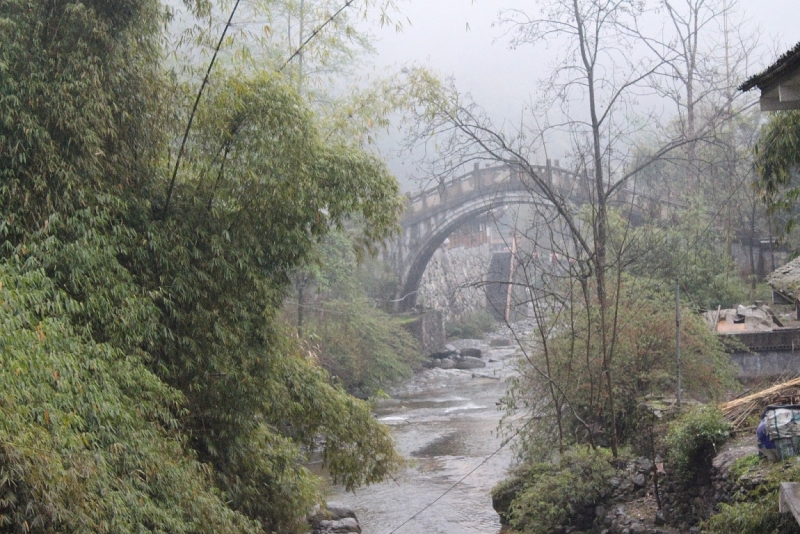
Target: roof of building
786, 279
755, 318
784, 65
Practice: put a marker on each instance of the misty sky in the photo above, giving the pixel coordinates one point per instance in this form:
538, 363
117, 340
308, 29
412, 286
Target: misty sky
457, 37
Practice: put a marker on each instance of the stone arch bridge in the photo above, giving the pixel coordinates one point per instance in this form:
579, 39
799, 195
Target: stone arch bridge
433, 214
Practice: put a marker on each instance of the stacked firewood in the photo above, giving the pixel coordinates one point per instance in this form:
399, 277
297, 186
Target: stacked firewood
739, 411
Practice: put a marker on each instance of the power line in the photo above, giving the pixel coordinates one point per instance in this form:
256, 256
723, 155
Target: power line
462, 479
519, 430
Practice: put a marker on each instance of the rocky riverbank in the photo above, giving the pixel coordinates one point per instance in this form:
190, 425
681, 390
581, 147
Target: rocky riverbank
445, 422
683, 507
334, 518
645, 498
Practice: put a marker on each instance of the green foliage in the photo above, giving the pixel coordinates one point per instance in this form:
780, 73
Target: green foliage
147, 381
743, 465
363, 347
472, 327
689, 249
89, 437
692, 441
78, 83
756, 511
562, 493
777, 160
752, 518
643, 364
718, 206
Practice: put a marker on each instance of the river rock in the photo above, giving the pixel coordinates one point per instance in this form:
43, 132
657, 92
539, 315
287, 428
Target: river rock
471, 352
446, 352
445, 363
339, 526
470, 363
644, 465
337, 510
334, 519
481, 375
500, 343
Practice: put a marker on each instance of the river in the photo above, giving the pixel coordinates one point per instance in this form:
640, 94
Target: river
445, 422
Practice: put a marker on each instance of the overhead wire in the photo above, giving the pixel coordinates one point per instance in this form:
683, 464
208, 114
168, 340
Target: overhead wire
691, 248
462, 479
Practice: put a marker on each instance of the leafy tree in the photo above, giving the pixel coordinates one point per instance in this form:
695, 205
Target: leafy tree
361, 345
687, 248
179, 308
777, 159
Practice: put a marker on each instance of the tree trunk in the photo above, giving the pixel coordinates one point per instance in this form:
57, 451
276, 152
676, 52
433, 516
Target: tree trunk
600, 225
301, 291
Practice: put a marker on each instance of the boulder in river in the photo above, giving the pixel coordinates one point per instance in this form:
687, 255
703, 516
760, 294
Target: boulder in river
339, 511
339, 526
444, 363
334, 519
471, 352
481, 375
470, 363
446, 352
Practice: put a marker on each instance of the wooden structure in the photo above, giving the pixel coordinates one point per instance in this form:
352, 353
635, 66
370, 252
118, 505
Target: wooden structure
780, 90
779, 83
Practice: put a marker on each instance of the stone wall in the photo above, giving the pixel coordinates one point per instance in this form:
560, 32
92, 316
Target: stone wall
452, 281
427, 327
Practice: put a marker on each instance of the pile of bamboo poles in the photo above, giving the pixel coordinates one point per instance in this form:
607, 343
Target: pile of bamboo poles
739, 410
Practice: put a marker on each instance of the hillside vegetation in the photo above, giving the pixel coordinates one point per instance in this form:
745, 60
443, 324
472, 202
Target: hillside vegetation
146, 382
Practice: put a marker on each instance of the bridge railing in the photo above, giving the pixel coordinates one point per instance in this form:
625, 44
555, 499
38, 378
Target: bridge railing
567, 183
485, 178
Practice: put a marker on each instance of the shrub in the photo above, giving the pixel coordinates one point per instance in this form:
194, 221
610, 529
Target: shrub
756, 511
363, 347
643, 364
693, 439
752, 518
474, 326
554, 494
87, 433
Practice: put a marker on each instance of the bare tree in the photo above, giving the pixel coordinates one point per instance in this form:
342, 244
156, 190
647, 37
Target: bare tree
704, 47
601, 74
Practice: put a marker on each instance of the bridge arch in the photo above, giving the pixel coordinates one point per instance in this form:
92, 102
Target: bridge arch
433, 214
435, 232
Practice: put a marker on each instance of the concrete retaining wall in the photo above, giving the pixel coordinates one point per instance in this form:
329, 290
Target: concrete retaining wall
767, 364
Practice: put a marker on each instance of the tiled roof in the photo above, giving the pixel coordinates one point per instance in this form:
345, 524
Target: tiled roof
789, 60
786, 279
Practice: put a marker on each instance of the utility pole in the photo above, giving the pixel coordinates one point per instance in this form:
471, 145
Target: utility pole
678, 336
511, 271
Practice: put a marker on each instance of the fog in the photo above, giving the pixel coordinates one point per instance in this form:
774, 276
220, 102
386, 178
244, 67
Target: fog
460, 39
